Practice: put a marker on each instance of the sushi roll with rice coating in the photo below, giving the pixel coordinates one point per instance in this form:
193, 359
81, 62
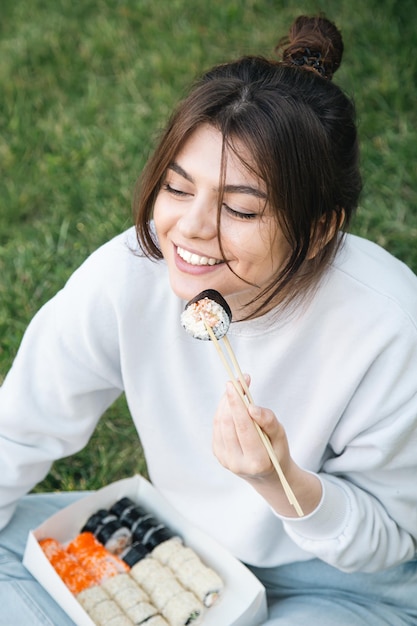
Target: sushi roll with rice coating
164, 550
164, 591
149, 573
184, 609
102, 612
181, 556
192, 573
208, 307
141, 612
203, 581
89, 598
125, 591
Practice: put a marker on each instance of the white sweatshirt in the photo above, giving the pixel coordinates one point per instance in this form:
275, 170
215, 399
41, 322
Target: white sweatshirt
341, 375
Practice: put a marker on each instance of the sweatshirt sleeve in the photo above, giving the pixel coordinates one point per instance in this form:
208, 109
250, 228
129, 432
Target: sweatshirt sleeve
367, 518
62, 379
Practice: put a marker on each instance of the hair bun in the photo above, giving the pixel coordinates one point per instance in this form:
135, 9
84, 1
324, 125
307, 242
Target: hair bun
314, 43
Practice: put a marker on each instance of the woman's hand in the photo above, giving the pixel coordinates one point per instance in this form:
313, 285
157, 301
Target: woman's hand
238, 447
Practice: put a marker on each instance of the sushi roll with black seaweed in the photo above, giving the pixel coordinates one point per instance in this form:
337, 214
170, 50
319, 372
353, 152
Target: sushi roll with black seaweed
119, 507
141, 527
208, 307
134, 553
158, 535
114, 536
109, 530
96, 521
132, 515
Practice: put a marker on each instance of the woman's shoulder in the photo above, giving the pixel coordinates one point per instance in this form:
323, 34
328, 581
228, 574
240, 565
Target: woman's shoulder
370, 274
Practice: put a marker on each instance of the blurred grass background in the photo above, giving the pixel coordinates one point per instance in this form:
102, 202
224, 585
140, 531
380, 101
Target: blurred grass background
84, 89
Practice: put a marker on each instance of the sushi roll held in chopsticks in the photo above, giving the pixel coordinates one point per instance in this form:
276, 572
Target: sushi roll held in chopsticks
208, 316
207, 308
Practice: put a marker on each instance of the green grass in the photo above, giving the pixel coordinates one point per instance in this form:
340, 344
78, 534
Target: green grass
84, 89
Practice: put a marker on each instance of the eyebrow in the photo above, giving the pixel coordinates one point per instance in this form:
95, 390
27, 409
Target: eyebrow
245, 189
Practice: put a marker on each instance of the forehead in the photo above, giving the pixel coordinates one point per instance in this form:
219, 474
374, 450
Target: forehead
205, 150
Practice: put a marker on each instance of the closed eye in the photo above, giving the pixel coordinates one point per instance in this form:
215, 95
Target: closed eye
172, 190
239, 214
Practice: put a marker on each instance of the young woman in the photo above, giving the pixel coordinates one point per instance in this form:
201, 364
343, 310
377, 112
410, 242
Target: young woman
248, 193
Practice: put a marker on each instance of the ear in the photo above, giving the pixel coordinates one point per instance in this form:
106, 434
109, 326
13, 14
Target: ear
324, 232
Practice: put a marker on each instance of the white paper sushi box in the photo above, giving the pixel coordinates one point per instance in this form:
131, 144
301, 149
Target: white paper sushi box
243, 602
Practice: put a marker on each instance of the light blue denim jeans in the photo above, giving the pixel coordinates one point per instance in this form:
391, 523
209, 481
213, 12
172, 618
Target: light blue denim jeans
300, 594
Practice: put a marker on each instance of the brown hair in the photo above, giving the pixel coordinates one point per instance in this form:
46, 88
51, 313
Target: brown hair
300, 130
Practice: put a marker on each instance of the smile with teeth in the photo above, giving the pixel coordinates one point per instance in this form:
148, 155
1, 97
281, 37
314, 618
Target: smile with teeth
195, 259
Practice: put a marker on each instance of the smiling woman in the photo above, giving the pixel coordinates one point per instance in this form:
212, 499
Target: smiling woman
247, 193
294, 139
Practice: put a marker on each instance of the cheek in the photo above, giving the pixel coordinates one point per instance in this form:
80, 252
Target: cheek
255, 246
160, 218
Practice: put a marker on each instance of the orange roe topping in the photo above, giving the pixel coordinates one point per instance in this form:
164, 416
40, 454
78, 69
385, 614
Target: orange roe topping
67, 566
95, 558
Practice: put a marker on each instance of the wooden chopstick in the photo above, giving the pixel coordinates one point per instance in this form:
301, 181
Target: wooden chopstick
246, 397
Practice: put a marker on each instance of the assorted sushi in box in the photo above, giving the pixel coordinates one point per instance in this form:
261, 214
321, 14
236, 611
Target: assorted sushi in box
122, 556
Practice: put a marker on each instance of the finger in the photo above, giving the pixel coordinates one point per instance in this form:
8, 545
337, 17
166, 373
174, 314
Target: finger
246, 431
225, 441
271, 426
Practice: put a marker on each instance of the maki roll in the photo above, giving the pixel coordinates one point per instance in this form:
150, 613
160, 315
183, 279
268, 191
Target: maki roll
208, 307
163, 591
141, 612
184, 609
125, 591
203, 581
148, 573
182, 555
114, 536
164, 550
75, 576
109, 530
95, 558
134, 553
158, 535
143, 525
132, 515
119, 507
192, 573
92, 596
96, 521
104, 611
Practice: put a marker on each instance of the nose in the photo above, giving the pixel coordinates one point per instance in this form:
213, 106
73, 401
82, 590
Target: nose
199, 219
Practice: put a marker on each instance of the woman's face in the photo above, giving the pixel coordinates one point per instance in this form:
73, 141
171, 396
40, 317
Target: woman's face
185, 215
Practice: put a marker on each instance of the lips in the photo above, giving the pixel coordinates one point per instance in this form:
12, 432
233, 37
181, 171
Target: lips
195, 259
